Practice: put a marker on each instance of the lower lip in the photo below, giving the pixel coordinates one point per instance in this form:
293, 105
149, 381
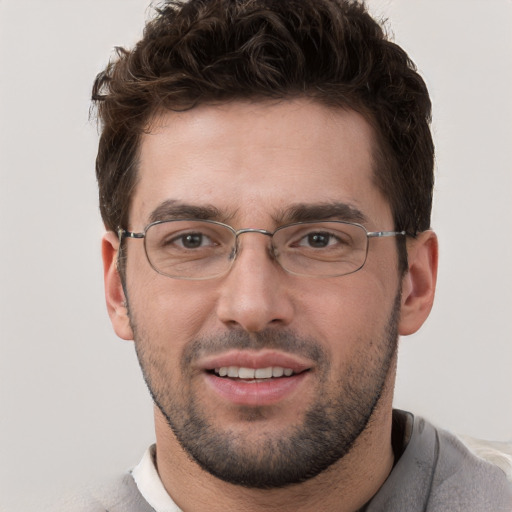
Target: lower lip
261, 392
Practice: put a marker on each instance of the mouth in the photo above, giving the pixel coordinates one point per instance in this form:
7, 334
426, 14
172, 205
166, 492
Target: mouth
256, 379
253, 374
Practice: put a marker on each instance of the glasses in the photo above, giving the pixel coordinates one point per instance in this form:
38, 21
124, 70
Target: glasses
205, 249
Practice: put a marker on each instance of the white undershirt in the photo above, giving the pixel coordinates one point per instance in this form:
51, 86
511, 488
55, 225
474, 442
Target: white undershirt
149, 484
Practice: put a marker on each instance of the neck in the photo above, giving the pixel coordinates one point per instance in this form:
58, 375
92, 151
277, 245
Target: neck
344, 487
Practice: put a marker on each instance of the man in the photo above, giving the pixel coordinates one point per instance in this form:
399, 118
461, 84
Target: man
265, 172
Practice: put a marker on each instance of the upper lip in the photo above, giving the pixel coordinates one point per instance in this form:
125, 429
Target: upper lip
255, 359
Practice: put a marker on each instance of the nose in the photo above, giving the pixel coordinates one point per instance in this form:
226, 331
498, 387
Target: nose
255, 294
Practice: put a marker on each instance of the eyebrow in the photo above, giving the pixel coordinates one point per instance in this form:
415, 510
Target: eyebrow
173, 209
300, 212
303, 212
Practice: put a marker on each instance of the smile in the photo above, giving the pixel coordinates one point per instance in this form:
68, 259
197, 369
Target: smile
241, 385
240, 372
256, 378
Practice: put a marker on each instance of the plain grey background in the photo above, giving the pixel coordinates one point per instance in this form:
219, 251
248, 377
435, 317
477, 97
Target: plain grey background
72, 402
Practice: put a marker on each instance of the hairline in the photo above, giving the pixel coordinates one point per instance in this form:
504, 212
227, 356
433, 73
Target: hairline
377, 141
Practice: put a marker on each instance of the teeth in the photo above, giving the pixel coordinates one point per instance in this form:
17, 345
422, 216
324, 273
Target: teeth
277, 371
246, 373
263, 373
241, 372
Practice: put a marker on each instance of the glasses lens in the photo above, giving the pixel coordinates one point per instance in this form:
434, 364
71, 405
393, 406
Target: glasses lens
325, 249
190, 249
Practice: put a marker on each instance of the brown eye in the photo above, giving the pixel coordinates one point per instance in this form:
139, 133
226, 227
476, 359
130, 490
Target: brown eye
192, 240
318, 240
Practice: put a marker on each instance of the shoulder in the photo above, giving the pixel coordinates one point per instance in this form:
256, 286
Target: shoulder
494, 452
119, 494
470, 477
436, 472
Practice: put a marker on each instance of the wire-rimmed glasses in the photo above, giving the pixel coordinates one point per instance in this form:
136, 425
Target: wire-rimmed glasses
206, 249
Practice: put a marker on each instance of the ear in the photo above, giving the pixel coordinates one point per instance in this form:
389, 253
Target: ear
419, 283
114, 293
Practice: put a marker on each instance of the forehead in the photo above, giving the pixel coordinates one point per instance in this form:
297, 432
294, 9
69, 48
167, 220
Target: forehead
252, 160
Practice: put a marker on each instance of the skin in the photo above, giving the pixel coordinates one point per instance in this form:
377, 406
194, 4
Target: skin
252, 161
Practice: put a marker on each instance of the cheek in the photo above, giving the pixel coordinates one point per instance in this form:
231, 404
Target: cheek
347, 316
168, 311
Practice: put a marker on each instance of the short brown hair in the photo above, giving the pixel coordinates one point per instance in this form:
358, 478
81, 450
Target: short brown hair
222, 50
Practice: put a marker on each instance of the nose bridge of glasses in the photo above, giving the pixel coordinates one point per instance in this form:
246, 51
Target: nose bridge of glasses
252, 231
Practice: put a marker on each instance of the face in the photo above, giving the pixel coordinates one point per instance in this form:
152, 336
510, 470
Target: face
261, 165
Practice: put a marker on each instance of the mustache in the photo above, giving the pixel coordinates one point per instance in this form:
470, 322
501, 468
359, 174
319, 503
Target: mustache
286, 341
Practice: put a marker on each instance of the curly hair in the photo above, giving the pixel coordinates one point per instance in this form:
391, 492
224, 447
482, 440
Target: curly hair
208, 51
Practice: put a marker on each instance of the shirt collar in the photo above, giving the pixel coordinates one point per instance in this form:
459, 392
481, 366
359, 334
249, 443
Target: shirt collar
149, 484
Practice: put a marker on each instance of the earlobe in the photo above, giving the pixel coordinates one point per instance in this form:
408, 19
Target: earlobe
114, 293
419, 283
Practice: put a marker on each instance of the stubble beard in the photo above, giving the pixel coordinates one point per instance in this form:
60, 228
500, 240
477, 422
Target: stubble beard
330, 426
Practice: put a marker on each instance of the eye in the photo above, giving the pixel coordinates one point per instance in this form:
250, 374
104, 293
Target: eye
319, 240
192, 241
